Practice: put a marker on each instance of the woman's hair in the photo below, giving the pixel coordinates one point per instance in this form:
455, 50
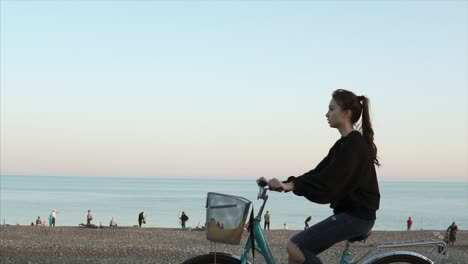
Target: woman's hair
349, 101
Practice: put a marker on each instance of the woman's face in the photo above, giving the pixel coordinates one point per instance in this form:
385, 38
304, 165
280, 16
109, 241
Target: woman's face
336, 116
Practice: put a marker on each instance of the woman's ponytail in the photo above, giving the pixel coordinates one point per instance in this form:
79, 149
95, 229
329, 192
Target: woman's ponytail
360, 108
366, 127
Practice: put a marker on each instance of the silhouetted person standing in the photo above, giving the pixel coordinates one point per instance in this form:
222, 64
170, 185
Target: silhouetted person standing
307, 221
452, 233
409, 224
267, 221
54, 216
183, 218
89, 217
141, 219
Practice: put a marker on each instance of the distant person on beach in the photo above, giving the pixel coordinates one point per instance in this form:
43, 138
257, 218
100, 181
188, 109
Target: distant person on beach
54, 217
141, 219
113, 222
452, 233
306, 222
51, 220
89, 218
409, 224
267, 221
285, 227
183, 219
38, 221
45, 223
346, 179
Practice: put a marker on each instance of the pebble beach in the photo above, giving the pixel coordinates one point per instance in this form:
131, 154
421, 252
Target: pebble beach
29, 244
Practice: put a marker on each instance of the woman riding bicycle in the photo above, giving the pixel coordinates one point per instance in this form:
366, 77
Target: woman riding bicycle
345, 179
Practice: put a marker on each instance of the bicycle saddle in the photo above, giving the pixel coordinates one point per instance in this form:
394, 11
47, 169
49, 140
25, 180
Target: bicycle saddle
361, 238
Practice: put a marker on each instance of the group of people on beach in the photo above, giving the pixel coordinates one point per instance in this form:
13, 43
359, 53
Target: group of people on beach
44, 222
450, 236
451, 231
89, 217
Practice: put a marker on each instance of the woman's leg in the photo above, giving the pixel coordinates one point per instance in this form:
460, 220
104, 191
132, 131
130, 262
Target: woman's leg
325, 234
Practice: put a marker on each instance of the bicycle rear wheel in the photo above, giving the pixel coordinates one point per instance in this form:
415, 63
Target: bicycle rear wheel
221, 258
399, 257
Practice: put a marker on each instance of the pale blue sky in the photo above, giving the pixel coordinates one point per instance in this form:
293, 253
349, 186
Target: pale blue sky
228, 89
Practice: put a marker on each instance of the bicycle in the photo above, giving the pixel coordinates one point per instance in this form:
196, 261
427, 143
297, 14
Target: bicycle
257, 242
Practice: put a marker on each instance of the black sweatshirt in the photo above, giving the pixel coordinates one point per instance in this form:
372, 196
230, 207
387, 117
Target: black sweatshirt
345, 178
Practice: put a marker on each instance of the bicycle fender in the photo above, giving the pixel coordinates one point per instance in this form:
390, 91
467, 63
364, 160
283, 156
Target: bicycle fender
386, 254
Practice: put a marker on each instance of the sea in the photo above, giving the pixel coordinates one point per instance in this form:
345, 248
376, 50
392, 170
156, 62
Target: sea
431, 205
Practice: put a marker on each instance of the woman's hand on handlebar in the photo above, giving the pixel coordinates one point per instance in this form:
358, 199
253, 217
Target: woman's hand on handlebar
276, 185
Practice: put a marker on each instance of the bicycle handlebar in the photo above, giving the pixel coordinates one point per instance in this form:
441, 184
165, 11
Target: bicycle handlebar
263, 184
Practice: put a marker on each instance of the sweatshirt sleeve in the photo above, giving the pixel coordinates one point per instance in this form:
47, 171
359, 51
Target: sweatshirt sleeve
335, 179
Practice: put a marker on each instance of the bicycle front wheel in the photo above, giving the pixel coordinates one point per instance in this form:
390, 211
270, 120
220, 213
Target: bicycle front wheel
219, 258
399, 257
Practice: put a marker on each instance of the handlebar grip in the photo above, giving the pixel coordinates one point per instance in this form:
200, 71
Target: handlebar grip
262, 182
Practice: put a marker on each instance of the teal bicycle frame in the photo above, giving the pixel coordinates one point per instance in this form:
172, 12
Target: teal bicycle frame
260, 243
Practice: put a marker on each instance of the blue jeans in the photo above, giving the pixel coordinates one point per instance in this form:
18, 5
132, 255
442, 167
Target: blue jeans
330, 231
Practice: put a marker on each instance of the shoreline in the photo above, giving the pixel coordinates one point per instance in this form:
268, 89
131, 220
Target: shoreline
31, 244
194, 229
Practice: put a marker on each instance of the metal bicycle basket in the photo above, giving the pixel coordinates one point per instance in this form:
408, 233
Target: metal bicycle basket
225, 217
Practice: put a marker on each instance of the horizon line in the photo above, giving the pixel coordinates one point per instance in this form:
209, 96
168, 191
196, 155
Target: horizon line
214, 178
